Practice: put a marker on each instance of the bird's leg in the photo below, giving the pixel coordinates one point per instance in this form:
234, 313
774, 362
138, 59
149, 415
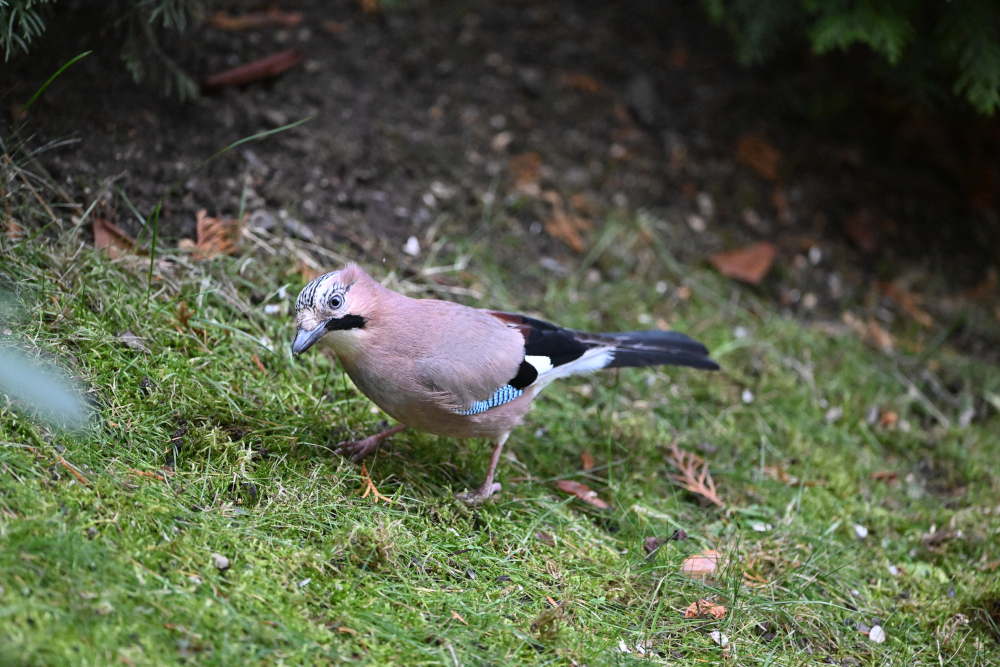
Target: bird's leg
488, 487
356, 450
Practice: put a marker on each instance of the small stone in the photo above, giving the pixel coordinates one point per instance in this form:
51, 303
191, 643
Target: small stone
893, 570
815, 255
719, 638
747, 396
220, 562
860, 531
833, 414
876, 634
741, 332
412, 247
761, 527
697, 223
304, 582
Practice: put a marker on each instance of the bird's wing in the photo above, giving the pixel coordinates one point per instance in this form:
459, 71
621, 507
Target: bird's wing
465, 356
556, 352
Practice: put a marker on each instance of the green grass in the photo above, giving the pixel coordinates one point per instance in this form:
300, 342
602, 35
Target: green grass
120, 570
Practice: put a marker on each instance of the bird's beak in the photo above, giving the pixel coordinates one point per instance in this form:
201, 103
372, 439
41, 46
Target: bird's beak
306, 339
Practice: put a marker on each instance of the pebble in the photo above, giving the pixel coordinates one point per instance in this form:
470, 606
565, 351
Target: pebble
220, 562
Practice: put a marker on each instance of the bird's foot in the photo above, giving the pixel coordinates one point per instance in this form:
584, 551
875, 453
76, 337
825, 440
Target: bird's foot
358, 450
477, 497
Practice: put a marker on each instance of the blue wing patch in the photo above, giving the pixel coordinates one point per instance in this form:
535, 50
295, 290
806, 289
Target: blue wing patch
504, 394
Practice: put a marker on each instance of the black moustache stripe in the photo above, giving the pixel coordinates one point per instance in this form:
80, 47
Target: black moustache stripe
345, 322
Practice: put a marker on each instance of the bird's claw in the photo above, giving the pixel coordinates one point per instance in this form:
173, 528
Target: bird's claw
358, 450
480, 495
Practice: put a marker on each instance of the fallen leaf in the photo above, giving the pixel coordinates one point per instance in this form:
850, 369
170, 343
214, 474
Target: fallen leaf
938, 537
719, 638
754, 151
525, 169
216, 236
107, 235
587, 460
583, 492
690, 478
651, 544
458, 617
545, 538
581, 82
749, 264
258, 70
878, 338
701, 565
565, 226
333, 27
253, 20
705, 609
14, 231
887, 476
347, 631
906, 300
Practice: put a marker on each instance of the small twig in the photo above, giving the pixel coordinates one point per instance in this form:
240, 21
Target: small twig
257, 361
76, 473
370, 487
915, 393
145, 473
690, 478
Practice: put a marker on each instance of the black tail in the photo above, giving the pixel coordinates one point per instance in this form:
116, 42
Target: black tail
655, 348
632, 348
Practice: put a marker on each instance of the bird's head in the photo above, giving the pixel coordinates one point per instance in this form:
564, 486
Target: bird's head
336, 303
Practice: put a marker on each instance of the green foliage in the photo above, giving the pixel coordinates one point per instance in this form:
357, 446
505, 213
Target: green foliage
21, 21
116, 566
942, 41
144, 22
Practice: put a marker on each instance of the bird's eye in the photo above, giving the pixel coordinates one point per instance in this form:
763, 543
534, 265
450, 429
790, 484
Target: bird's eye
336, 301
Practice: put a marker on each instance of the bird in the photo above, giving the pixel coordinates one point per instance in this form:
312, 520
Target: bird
456, 371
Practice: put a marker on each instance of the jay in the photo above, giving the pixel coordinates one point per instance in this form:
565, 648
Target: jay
456, 371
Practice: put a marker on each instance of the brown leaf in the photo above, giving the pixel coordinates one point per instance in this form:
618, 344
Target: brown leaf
565, 226
107, 235
887, 476
705, 609
14, 230
939, 537
369, 7
258, 70
587, 460
888, 419
545, 538
253, 20
908, 301
754, 151
690, 478
651, 544
701, 565
581, 82
878, 337
333, 27
583, 492
525, 169
749, 264
216, 236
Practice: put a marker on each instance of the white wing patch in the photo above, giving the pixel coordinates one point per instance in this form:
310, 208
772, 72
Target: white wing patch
592, 360
541, 364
